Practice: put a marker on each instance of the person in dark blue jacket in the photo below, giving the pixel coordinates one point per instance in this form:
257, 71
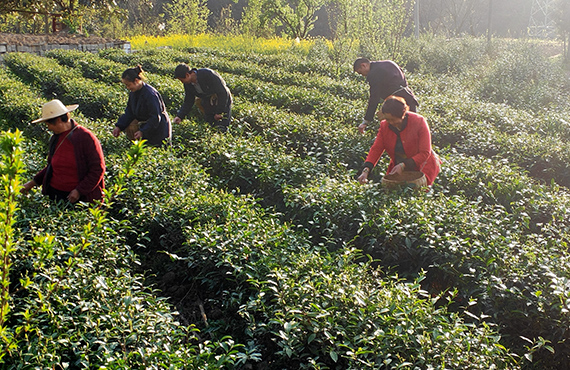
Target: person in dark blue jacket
208, 89
145, 116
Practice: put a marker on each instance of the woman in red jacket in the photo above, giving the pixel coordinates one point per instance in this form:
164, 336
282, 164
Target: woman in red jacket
76, 165
405, 136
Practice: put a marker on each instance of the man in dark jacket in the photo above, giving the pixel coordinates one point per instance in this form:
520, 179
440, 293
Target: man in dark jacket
385, 78
214, 97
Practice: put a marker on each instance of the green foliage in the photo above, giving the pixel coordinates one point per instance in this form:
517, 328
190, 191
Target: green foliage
187, 16
291, 261
439, 55
381, 26
11, 168
522, 77
97, 100
296, 18
76, 301
19, 104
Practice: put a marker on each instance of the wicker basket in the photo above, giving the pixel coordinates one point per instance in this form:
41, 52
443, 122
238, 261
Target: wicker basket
407, 178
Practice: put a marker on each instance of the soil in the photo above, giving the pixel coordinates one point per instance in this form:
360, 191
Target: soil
61, 38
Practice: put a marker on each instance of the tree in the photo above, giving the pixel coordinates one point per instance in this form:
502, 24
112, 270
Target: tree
382, 25
255, 21
296, 17
562, 20
455, 17
70, 11
49, 6
344, 32
187, 16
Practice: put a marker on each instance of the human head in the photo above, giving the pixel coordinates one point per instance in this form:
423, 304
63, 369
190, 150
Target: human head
133, 74
133, 78
362, 66
59, 124
395, 105
54, 109
183, 72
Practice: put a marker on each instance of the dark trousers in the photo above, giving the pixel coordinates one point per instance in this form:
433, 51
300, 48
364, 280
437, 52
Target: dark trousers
209, 107
57, 195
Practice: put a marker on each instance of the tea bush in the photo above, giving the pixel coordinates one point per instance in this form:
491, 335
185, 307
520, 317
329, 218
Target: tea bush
523, 77
433, 54
55, 81
460, 242
89, 64
284, 294
74, 301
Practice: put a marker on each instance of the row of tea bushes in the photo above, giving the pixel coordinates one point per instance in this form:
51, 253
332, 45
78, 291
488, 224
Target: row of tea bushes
260, 170
107, 100
303, 135
93, 67
76, 300
18, 103
296, 98
508, 258
283, 294
90, 65
290, 62
530, 208
97, 100
514, 212
534, 141
164, 62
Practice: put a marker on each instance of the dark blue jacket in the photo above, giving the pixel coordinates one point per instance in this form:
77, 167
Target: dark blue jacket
146, 105
211, 83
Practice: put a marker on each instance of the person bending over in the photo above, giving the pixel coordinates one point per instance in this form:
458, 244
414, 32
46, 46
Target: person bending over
75, 164
406, 137
145, 116
385, 78
208, 90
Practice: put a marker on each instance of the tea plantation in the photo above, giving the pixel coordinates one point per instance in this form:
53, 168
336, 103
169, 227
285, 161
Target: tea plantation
258, 249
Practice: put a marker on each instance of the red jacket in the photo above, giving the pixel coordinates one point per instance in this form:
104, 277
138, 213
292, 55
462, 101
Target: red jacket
416, 140
90, 164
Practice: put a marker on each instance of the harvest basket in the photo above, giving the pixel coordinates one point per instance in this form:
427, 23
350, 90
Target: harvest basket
415, 179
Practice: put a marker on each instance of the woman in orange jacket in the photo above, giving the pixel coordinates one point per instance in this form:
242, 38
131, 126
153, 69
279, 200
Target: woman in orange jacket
406, 137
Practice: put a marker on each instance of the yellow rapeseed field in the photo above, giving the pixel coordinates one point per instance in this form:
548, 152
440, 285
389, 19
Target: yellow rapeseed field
230, 43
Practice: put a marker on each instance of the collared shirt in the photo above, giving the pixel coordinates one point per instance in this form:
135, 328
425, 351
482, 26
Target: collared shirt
198, 88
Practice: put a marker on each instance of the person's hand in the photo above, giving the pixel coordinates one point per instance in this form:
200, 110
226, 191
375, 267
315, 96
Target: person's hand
218, 117
363, 178
25, 189
116, 131
138, 135
362, 127
398, 169
73, 196
176, 120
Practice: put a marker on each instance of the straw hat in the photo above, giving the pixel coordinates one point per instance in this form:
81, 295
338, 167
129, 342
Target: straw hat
53, 109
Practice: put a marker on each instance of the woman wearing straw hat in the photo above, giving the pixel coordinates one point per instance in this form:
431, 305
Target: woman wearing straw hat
76, 164
406, 137
145, 116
